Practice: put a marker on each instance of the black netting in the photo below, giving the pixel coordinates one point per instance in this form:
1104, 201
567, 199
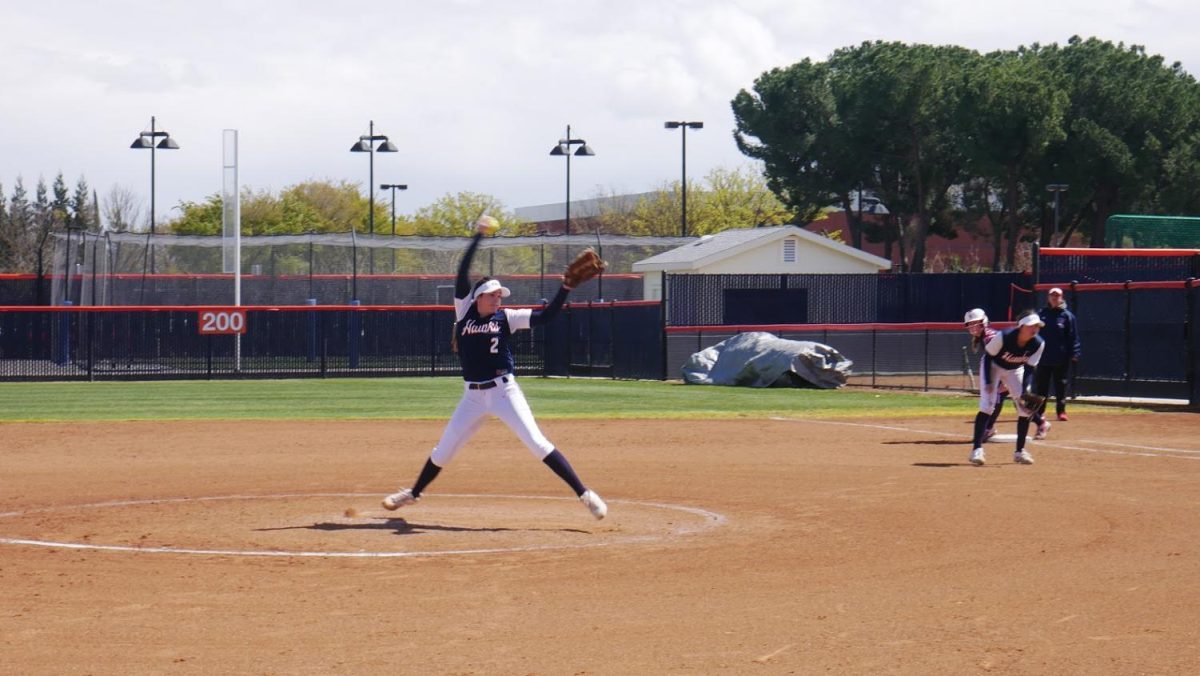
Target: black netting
1054, 268
164, 270
18, 290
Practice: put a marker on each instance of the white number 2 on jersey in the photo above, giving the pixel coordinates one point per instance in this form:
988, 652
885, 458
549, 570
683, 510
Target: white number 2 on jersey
495, 345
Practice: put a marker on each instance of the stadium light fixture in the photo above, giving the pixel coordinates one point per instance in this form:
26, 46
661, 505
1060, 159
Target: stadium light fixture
393, 187
563, 148
1058, 189
145, 140
684, 126
366, 144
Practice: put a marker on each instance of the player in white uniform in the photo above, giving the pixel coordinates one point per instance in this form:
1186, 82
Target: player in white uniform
482, 332
1006, 355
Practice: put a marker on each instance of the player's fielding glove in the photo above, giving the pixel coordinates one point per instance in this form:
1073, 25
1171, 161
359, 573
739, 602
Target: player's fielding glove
585, 266
1031, 401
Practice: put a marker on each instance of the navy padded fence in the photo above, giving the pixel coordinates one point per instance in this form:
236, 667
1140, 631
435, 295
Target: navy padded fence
602, 339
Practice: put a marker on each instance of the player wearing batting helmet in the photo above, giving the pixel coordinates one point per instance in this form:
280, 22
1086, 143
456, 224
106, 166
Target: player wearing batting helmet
1006, 354
482, 335
976, 323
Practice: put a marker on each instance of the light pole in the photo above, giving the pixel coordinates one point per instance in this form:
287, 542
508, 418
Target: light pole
393, 187
683, 125
366, 144
145, 140
564, 148
1058, 189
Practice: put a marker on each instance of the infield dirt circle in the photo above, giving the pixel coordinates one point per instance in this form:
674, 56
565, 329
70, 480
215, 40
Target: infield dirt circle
741, 546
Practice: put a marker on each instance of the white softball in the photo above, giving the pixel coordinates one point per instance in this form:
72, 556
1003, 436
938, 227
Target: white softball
487, 224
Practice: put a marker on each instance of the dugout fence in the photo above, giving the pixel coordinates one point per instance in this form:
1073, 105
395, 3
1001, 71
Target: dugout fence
1140, 340
925, 356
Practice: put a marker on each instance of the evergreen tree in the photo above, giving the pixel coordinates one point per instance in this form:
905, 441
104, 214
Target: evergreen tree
5, 245
81, 209
18, 231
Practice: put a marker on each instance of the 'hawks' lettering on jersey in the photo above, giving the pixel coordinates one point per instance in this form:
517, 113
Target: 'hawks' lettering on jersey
1007, 354
484, 349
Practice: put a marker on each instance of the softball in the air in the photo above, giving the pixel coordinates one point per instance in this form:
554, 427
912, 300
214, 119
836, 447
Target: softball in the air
487, 225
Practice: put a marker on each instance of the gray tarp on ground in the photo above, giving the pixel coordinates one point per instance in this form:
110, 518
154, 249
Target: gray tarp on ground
761, 359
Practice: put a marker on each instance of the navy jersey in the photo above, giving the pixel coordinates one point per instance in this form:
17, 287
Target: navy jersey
484, 345
1061, 335
1004, 351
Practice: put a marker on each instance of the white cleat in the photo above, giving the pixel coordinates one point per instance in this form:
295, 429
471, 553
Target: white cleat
1042, 430
397, 500
594, 504
1023, 458
977, 456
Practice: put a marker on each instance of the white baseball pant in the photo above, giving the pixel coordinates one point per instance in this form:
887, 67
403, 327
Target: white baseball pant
507, 402
989, 387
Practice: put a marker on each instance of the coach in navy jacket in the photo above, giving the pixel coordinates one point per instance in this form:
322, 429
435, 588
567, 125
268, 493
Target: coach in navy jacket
1062, 348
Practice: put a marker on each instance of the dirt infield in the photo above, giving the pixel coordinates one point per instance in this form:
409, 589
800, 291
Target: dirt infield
749, 546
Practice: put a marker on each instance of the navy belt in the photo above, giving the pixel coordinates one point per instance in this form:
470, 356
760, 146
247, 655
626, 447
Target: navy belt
488, 385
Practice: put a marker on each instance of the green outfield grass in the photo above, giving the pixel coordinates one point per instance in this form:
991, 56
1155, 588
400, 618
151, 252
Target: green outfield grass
414, 398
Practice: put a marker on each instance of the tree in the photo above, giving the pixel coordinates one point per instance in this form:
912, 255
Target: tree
5, 244
1014, 115
47, 217
887, 115
323, 206
81, 209
1129, 124
810, 156
724, 200
452, 216
61, 207
736, 198
121, 209
18, 235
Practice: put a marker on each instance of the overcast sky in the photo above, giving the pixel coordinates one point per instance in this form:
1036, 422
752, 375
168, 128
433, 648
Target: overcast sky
473, 93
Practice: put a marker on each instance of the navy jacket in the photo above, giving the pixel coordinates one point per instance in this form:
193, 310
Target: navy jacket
1061, 335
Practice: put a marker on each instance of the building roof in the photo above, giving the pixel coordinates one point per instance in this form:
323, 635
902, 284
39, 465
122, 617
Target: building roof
711, 248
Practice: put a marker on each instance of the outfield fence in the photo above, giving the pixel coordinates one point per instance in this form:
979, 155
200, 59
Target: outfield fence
927, 356
1140, 339
617, 340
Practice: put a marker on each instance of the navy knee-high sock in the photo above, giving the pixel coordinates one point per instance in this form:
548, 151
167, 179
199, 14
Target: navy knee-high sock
428, 473
981, 423
558, 462
996, 411
1022, 430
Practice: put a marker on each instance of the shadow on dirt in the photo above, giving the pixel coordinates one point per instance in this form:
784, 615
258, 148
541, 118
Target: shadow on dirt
403, 527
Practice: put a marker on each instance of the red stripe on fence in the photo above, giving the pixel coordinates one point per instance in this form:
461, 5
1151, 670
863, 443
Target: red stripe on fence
292, 308
1136, 253
799, 328
340, 276
1118, 286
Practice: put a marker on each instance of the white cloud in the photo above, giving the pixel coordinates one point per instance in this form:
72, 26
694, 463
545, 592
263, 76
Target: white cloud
474, 93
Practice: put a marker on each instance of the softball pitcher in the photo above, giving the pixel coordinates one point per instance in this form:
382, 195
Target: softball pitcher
482, 334
1006, 353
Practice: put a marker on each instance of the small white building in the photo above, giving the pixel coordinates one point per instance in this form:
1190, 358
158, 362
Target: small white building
787, 249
